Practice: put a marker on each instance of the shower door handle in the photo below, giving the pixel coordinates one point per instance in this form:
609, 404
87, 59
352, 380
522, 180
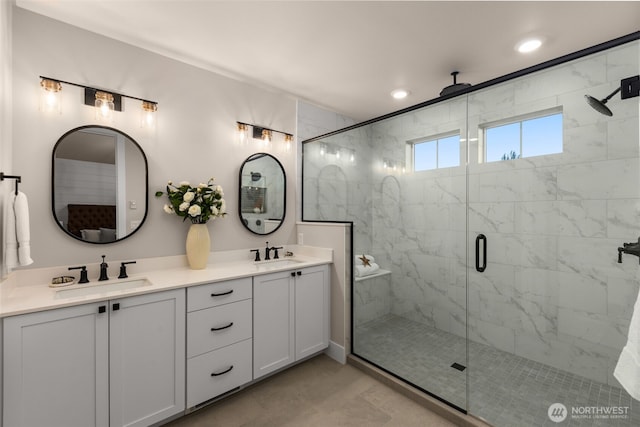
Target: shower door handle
482, 267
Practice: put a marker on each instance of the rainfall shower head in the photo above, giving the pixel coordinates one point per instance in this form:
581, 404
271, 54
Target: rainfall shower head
455, 87
630, 88
600, 106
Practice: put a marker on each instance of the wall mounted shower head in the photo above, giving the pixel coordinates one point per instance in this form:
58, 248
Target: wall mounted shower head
630, 88
600, 106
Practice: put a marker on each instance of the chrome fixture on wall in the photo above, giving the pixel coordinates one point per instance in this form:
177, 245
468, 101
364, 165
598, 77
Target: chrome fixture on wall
105, 102
629, 88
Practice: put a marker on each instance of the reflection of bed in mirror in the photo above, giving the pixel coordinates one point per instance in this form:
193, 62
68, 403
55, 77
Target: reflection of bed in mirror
93, 223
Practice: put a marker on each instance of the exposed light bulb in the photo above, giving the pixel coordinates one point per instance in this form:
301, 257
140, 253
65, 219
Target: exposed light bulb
288, 143
242, 132
104, 106
266, 137
51, 96
149, 112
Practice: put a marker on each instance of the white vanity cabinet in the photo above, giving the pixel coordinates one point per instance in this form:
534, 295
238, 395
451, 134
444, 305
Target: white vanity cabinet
290, 317
112, 363
219, 345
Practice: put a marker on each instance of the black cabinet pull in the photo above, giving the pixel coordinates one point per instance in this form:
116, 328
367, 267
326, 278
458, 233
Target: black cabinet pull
102, 309
293, 274
222, 327
222, 293
223, 372
299, 273
116, 306
482, 267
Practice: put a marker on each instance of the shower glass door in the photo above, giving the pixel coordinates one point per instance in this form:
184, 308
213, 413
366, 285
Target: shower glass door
554, 188
486, 230
402, 182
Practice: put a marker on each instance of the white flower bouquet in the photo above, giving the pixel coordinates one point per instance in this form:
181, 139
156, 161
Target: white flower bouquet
200, 203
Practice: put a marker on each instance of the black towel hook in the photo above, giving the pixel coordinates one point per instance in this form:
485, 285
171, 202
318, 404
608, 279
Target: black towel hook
16, 177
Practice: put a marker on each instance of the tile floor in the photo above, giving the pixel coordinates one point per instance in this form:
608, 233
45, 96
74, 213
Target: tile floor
504, 389
319, 392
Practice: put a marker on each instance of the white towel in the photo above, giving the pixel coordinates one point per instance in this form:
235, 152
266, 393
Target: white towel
627, 370
10, 238
358, 259
16, 232
21, 210
366, 270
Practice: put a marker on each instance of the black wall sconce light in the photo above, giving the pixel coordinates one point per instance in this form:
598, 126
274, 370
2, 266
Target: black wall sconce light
104, 101
261, 133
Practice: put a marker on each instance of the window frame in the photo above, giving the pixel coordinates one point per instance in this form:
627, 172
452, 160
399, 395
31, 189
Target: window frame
411, 149
483, 127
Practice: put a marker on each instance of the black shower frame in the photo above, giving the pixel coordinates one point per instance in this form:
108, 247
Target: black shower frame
525, 71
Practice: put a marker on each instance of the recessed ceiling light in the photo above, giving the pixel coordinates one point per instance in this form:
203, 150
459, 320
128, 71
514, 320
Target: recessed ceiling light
528, 45
399, 93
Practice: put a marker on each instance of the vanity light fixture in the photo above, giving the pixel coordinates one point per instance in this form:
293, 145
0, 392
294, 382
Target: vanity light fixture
263, 134
149, 112
267, 134
288, 142
242, 131
104, 106
104, 101
50, 96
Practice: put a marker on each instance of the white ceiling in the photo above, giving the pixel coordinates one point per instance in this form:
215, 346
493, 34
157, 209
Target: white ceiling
348, 56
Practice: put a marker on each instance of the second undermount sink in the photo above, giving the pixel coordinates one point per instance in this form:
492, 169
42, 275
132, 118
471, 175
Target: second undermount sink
94, 288
278, 263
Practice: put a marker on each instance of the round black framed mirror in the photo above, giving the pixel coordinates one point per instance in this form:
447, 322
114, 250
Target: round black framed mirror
262, 193
99, 185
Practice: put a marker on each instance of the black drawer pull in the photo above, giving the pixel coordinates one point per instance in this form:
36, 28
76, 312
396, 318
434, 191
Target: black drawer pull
222, 293
299, 273
116, 306
293, 274
102, 309
223, 372
222, 327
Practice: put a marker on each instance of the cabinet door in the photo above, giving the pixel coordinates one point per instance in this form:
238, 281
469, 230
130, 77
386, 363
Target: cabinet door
147, 358
56, 368
312, 311
273, 333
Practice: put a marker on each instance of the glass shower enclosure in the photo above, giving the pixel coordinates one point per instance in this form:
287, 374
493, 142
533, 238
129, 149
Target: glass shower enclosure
486, 270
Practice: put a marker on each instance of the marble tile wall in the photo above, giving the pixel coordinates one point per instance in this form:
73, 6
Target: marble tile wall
553, 290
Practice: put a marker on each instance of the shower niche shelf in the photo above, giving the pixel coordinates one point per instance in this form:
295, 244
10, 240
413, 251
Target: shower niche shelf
378, 273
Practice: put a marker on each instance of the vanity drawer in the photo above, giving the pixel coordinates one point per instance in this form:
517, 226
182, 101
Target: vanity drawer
231, 366
232, 321
211, 295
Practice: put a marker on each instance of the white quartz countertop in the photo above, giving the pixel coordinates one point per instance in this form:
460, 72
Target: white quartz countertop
30, 291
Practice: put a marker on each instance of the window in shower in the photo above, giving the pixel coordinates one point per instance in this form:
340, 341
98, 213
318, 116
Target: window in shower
436, 152
532, 136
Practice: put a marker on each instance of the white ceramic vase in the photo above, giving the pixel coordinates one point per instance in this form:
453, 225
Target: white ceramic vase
198, 246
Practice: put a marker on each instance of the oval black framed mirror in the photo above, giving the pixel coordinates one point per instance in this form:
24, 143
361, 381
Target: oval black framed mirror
262, 193
99, 184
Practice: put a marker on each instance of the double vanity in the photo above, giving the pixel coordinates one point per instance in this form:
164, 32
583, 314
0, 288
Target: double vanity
162, 342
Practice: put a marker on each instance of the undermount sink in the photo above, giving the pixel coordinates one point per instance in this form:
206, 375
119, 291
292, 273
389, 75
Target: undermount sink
279, 263
101, 288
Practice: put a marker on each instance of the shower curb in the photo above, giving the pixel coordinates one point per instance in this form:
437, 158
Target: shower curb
434, 405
